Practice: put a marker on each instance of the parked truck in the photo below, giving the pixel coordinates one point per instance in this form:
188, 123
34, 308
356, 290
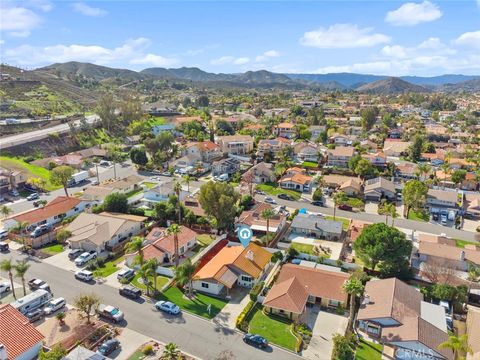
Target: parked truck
110, 312
78, 178
36, 284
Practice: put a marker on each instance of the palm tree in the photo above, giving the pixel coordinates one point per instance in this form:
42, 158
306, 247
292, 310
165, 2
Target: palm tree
186, 180
21, 267
458, 344
393, 213
338, 199
354, 288
144, 273
7, 266
177, 187
61, 318
153, 264
5, 210
20, 228
135, 245
184, 275
267, 214
423, 170
171, 352
388, 209
174, 230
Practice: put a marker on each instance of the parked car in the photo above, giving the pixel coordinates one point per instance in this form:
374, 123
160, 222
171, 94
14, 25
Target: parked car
167, 307
110, 312
317, 203
14, 193
73, 254
84, 275
34, 315
126, 274
108, 347
33, 196
166, 173
85, 257
4, 288
36, 284
130, 292
104, 163
255, 340
345, 207
443, 219
260, 192
54, 306
435, 217
285, 197
40, 230
269, 200
3, 234
4, 246
94, 182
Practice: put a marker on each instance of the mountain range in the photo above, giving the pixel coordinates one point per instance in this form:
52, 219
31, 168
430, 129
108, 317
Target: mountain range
264, 79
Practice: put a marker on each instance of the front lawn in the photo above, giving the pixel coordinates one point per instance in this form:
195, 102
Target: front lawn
161, 281
345, 222
418, 216
205, 239
197, 306
273, 189
273, 328
149, 185
367, 350
134, 192
11, 163
108, 268
461, 243
52, 249
309, 164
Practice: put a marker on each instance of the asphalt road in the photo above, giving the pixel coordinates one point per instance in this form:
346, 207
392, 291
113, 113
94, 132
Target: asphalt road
373, 218
194, 335
27, 137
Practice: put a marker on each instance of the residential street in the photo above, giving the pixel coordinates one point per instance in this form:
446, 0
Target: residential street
196, 336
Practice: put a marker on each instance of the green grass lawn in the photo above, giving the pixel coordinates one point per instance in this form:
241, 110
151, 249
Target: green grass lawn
53, 249
161, 281
368, 351
418, 216
345, 222
461, 243
273, 189
275, 329
108, 268
309, 164
137, 355
149, 185
304, 248
149, 213
197, 306
32, 170
205, 239
134, 192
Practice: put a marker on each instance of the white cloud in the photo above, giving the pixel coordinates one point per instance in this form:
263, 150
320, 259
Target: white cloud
88, 10
343, 36
155, 60
410, 14
18, 21
430, 47
266, 55
224, 60
469, 39
44, 5
132, 51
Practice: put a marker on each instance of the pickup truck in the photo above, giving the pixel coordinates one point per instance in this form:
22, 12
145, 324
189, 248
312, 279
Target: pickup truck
110, 313
36, 284
85, 257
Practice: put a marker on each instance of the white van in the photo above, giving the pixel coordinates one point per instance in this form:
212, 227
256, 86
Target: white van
54, 306
32, 301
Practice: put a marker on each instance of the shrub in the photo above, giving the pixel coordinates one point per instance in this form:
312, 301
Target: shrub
277, 256
91, 265
137, 211
340, 310
147, 349
241, 323
317, 195
256, 290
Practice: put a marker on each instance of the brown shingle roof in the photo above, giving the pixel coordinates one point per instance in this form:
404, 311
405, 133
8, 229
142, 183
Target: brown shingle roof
289, 295
16, 332
57, 206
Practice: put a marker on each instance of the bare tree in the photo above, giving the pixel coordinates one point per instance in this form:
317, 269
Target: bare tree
439, 270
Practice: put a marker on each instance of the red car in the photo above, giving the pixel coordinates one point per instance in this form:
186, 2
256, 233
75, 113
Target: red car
345, 207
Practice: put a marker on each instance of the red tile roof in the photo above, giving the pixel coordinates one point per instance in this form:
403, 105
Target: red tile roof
165, 243
57, 206
16, 332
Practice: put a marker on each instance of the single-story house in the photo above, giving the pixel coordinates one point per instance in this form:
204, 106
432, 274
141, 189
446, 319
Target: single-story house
395, 148
394, 313
161, 192
232, 265
19, 338
298, 285
104, 231
257, 223
296, 179
351, 187
316, 226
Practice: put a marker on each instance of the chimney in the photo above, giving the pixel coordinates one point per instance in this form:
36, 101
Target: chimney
249, 256
366, 300
3, 352
462, 255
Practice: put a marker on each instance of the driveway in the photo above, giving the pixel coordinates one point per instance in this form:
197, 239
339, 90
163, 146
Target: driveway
470, 225
324, 325
371, 208
62, 261
130, 341
228, 316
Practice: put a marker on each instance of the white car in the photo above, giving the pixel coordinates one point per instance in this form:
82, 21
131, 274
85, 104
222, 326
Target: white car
4, 287
84, 275
54, 306
269, 200
85, 257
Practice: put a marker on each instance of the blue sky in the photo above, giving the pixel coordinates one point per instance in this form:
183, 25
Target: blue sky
378, 37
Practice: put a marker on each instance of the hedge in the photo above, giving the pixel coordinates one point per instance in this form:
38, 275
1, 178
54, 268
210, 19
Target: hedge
241, 323
256, 290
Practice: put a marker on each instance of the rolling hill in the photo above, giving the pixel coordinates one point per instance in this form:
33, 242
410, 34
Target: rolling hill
391, 86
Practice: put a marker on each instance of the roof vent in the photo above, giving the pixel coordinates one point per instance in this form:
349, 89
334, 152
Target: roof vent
366, 299
249, 255
3, 352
